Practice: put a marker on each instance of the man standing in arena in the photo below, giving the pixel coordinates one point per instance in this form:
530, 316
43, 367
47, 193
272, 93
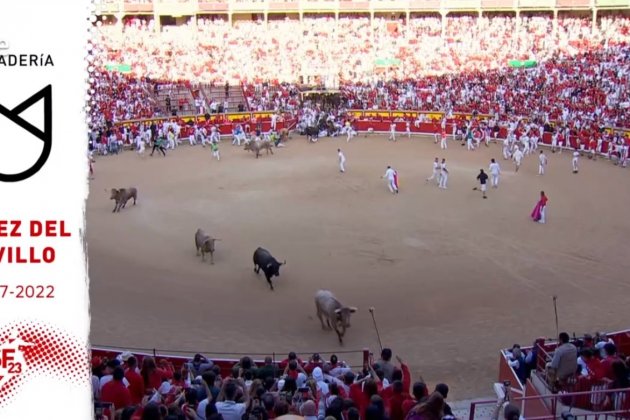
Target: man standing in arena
443, 174
408, 127
518, 158
158, 144
392, 132
342, 161
443, 139
495, 171
574, 161
542, 163
392, 179
214, 146
483, 178
436, 171
506, 148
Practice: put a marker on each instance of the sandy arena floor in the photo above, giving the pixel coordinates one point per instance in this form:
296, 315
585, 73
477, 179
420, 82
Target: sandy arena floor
452, 277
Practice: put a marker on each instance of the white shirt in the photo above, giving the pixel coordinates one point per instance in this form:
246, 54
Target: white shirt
518, 155
389, 174
494, 168
231, 410
443, 167
576, 154
543, 159
108, 378
342, 158
436, 166
392, 127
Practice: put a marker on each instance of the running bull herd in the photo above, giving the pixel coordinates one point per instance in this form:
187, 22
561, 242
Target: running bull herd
329, 309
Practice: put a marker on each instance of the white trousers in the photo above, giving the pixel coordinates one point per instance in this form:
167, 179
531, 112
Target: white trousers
216, 155
435, 175
541, 169
392, 186
443, 143
542, 214
574, 162
443, 180
341, 166
494, 179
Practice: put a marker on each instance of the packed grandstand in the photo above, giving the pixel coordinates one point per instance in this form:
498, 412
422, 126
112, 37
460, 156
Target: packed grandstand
218, 71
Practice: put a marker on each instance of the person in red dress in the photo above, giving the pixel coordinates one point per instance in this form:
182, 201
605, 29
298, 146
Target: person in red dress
538, 214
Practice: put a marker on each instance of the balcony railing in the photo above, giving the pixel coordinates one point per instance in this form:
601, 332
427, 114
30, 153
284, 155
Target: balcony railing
190, 7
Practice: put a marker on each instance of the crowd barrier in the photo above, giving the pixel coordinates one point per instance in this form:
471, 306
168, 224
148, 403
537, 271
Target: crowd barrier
364, 120
356, 359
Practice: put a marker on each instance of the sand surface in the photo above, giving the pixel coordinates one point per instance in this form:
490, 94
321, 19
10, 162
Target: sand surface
452, 277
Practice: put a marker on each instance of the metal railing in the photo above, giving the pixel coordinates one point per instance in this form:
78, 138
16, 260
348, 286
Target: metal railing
555, 407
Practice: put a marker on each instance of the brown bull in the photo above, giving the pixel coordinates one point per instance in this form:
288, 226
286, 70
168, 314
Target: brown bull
204, 245
256, 147
122, 196
336, 315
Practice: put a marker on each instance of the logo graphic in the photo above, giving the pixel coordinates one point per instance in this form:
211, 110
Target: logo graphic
12, 361
45, 136
4, 45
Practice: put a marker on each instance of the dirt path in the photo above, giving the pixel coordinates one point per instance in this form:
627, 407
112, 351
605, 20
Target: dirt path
453, 277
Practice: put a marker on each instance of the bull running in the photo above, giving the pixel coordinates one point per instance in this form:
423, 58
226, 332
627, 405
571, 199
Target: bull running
337, 315
270, 266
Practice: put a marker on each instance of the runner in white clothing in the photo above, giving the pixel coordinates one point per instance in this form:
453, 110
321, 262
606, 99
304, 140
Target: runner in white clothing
342, 161
518, 158
408, 127
542, 163
390, 174
506, 148
574, 161
443, 174
495, 171
392, 132
436, 171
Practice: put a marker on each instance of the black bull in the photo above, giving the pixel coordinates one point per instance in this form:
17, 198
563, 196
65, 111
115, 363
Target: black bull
270, 266
311, 132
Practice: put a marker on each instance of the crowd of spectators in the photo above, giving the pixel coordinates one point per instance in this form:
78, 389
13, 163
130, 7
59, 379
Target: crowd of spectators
317, 389
213, 51
582, 72
587, 363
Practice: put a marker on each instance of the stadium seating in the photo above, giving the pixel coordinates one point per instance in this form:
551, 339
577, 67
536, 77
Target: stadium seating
464, 71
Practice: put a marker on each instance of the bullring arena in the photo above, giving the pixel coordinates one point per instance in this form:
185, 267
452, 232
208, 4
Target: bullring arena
448, 280
452, 277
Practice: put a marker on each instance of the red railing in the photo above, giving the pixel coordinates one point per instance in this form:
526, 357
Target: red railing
355, 358
553, 403
578, 392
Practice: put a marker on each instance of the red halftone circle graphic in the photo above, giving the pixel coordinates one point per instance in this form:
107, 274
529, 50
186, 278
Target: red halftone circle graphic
45, 351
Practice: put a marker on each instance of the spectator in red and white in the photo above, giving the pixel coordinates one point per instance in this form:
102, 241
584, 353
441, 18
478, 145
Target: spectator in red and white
419, 394
136, 383
152, 375
115, 391
606, 364
314, 362
109, 373
291, 356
